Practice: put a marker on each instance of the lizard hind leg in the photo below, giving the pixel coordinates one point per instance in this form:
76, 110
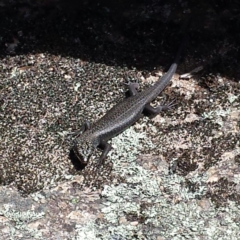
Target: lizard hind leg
132, 88
153, 111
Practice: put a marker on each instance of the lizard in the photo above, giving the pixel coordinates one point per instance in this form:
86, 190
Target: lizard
121, 116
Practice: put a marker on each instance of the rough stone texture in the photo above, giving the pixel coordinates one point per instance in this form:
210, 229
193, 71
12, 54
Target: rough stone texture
175, 176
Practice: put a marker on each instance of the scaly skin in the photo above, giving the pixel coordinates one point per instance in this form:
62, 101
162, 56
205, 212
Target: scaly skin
121, 116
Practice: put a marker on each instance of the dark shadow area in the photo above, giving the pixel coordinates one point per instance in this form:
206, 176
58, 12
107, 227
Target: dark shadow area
142, 34
74, 160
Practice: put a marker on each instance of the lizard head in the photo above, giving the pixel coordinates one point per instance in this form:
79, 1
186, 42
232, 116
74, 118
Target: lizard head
83, 149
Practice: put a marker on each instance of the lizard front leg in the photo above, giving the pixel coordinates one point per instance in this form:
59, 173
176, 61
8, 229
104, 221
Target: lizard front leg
106, 147
85, 126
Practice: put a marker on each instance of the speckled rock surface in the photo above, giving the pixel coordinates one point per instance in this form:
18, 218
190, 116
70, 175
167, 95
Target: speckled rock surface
175, 176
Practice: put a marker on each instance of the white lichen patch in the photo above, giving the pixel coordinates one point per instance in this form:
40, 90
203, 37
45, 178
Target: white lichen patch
146, 206
20, 221
87, 231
